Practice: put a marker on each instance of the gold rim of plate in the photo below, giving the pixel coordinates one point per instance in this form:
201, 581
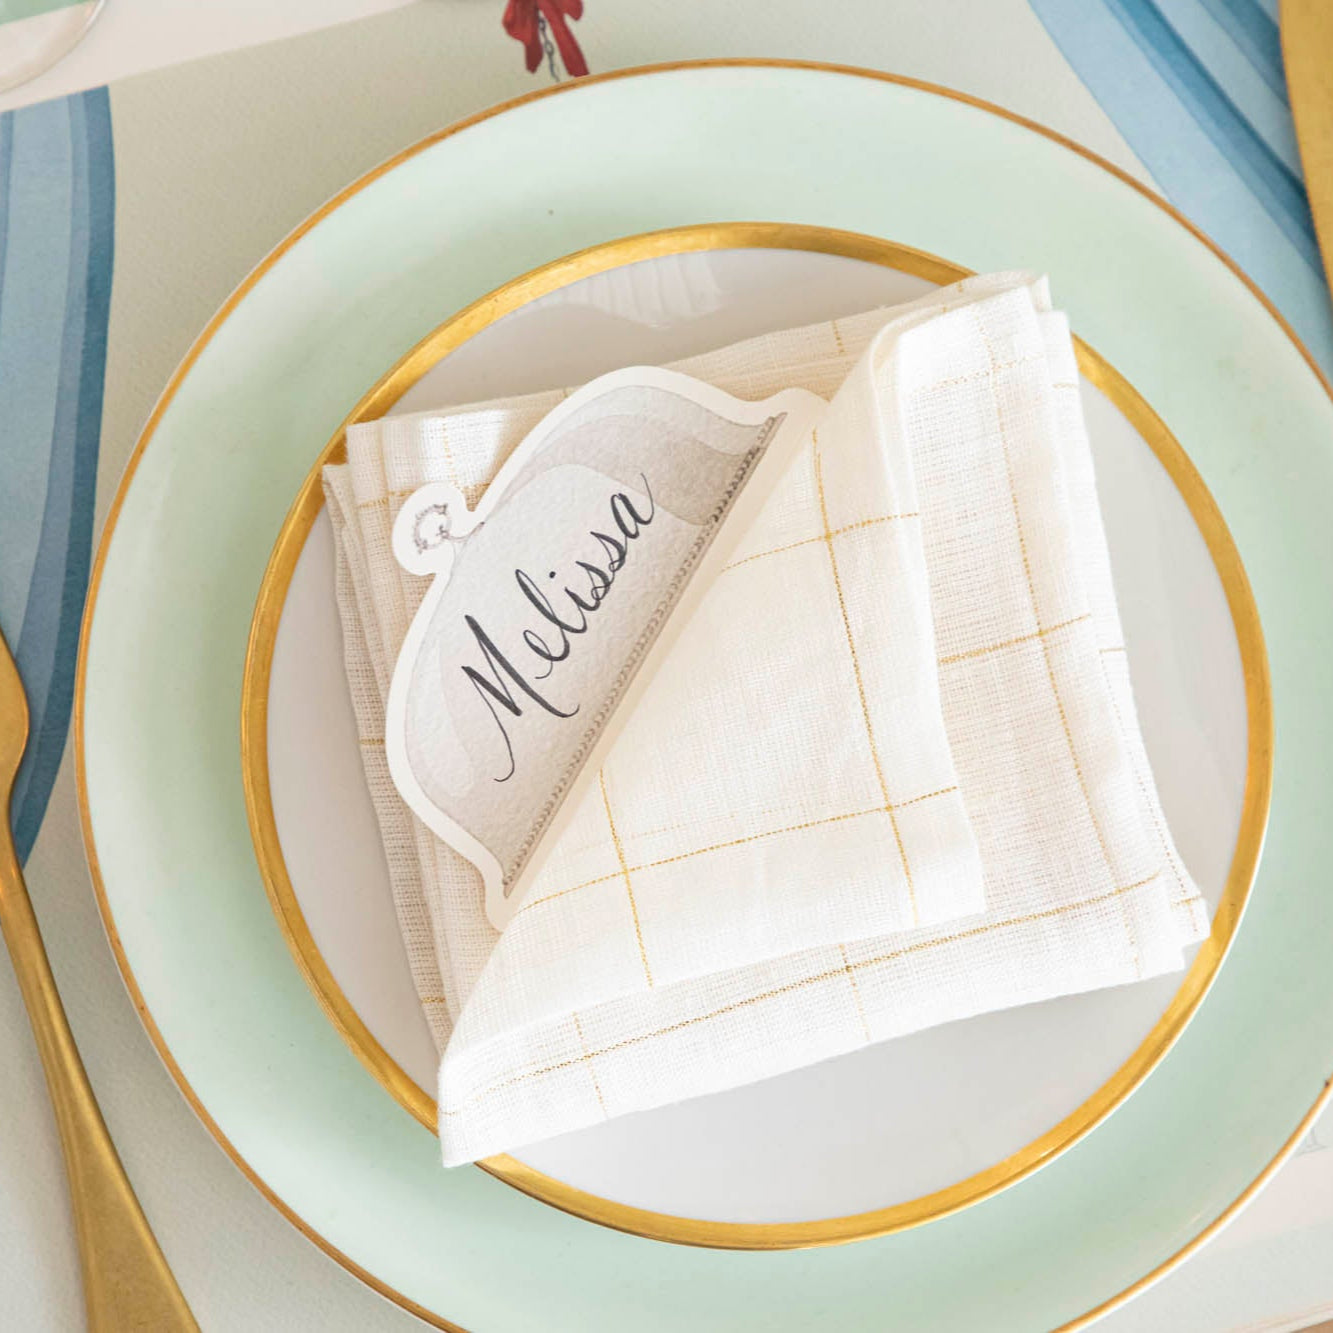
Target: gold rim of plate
427, 354
1206, 1231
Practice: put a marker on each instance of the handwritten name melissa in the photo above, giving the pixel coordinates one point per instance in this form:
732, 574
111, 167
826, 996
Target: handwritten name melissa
496, 683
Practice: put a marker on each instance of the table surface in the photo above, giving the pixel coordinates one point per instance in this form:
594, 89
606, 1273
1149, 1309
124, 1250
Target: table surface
259, 132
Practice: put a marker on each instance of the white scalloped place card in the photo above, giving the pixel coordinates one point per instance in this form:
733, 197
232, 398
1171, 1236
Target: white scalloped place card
555, 601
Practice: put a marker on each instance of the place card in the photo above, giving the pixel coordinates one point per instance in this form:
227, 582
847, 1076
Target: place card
557, 599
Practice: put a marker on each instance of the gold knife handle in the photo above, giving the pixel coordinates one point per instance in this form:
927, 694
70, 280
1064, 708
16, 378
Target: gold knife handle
127, 1284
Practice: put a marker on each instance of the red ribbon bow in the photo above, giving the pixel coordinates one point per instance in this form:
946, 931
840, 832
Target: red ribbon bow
521, 22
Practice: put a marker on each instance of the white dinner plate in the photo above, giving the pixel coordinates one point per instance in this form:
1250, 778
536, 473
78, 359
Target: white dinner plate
991, 1097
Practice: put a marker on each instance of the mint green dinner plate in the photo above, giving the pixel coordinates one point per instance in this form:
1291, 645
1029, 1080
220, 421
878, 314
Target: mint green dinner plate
269, 382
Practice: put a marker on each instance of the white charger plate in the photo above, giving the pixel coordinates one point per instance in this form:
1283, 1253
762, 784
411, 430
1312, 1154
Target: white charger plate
834, 1152
267, 385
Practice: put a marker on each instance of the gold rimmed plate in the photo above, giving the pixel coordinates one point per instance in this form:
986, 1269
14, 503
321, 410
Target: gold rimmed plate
928, 1124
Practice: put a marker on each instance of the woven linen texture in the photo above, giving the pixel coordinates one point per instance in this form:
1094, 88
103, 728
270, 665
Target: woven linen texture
945, 707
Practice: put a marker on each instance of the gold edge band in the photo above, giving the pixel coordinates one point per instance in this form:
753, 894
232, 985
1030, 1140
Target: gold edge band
644, 1222
211, 329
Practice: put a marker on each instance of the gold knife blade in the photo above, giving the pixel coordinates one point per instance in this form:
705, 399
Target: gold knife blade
1307, 52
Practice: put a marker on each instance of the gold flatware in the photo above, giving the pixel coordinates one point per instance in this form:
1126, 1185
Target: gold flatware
126, 1282
1307, 53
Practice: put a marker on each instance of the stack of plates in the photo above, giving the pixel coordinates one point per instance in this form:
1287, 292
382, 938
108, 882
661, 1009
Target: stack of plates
642, 218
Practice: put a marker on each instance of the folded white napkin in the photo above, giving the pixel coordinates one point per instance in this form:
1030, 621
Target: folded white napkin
718, 913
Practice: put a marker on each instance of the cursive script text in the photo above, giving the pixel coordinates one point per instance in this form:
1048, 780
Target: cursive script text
505, 687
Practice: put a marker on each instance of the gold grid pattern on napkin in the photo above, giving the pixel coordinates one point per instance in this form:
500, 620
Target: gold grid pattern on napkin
627, 870
860, 977
848, 969
1042, 634
856, 671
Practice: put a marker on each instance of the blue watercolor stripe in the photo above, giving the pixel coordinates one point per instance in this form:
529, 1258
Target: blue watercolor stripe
6, 157
1232, 67
1194, 165
46, 644
1276, 187
35, 650
1256, 33
31, 327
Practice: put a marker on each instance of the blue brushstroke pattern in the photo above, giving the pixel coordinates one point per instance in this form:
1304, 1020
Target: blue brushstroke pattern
1168, 75
57, 180
1246, 71
1256, 33
1277, 188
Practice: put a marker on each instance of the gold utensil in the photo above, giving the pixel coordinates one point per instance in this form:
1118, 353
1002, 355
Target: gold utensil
1307, 53
126, 1282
